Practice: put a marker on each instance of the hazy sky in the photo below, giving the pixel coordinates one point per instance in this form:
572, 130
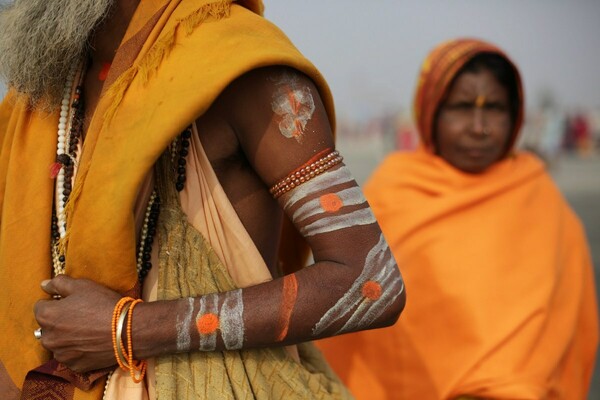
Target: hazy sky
370, 51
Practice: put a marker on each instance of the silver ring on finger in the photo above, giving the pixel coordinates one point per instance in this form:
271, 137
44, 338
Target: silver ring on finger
38, 333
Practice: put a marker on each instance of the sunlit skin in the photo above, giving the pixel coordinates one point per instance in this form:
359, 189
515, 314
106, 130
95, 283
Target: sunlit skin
474, 122
243, 141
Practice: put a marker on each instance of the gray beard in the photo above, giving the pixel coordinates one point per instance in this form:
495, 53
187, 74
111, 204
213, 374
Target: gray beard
40, 40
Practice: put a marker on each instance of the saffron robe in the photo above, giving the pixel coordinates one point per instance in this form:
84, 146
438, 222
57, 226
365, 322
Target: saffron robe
502, 301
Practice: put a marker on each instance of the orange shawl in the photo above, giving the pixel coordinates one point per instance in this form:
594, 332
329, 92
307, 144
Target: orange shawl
175, 59
501, 291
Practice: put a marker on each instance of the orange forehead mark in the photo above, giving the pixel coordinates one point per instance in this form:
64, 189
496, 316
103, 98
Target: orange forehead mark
207, 324
371, 290
480, 101
290, 293
103, 74
331, 202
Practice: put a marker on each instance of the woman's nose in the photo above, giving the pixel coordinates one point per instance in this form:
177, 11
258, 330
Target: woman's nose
478, 121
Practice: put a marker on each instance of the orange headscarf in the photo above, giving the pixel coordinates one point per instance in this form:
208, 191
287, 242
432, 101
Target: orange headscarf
154, 90
437, 74
501, 298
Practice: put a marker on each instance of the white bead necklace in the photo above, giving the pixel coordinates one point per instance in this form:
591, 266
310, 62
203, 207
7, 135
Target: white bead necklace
65, 125
67, 154
64, 141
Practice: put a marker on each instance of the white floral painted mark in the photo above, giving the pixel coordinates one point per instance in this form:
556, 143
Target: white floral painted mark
294, 104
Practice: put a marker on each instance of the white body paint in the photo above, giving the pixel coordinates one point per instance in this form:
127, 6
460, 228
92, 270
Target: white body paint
319, 183
350, 197
232, 321
329, 222
380, 267
294, 104
209, 304
184, 340
337, 222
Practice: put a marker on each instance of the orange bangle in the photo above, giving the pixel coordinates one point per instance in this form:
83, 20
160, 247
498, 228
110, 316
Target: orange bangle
115, 325
121, 354
133, 364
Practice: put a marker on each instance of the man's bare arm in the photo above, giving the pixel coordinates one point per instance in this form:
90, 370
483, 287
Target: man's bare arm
354, 283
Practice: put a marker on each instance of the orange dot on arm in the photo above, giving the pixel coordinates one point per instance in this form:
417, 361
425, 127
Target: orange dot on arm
371, 290
331, 202
207, 324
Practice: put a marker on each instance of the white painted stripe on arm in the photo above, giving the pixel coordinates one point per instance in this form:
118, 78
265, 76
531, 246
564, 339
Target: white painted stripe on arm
232, 321
334, 223
184, 340
208, 304
379, 267
321, 182
349, 197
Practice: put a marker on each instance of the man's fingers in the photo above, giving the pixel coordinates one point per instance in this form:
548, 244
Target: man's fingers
61, 285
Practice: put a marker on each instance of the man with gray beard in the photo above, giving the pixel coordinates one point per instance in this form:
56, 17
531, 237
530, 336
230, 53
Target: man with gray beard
164, 167
40, 40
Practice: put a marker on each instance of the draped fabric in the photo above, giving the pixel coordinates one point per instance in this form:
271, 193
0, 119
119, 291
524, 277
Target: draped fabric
501, 297
153, 91
269, 373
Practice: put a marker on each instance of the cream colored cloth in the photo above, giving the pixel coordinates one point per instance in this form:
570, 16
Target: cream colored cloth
211, 213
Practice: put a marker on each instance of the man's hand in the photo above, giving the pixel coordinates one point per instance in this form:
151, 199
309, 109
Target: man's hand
77, 327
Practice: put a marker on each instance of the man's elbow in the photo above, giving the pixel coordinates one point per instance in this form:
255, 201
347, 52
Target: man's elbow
394, 310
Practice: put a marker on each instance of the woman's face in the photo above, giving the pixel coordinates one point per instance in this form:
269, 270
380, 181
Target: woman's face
474, 123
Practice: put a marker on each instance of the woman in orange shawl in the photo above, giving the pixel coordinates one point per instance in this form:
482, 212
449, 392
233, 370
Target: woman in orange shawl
503, 301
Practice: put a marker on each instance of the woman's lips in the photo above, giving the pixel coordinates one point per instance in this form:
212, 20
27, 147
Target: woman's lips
475, 152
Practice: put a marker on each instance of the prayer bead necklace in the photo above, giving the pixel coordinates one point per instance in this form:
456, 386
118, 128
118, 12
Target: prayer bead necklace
70, 128
63, 169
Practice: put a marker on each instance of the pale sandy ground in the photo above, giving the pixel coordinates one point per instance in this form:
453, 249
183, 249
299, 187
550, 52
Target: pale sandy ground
578, 178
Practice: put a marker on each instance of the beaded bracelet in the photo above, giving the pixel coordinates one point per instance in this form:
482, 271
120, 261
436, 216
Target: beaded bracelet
306, 173
122, 313
134, 365
121, 358
117, 329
